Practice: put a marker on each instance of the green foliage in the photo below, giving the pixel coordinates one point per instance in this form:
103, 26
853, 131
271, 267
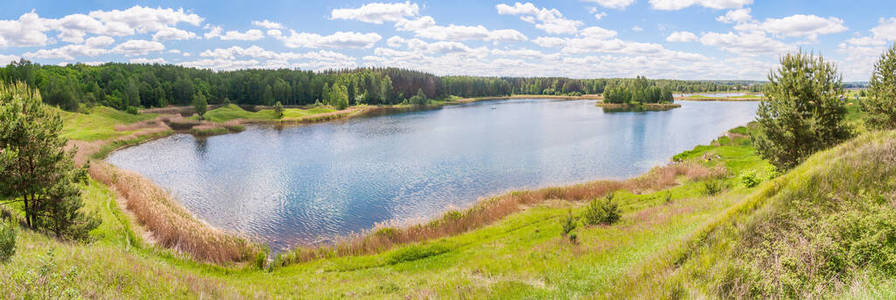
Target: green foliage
278, 110
573, 238
35, 168
415, 252
200, 105
713, 187
601, 211
419, 98
132, 110
750, 179
261, 258
7, 240
803, 113
880, 107
568, 224
639, 90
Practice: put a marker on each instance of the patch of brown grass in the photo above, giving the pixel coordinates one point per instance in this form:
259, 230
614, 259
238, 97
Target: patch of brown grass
493, 209
171, 225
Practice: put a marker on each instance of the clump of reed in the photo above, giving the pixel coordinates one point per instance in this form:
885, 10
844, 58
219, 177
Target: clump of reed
493, 209
170, 224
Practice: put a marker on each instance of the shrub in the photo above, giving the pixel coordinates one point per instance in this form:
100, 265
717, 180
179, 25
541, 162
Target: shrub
668, 197
601, 211
573, 238
261, 258
712, 187
132, 110
568, 224
802, 113
278, 109
750, 179
880, 107
7, 241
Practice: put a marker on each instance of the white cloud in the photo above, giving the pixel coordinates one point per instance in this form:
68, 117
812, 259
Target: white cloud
377, 13
143, 60
67, 52
336, 40
615, 4
171, 33
549, 42
797, 26
637, 28
682, 4
138, 47
461, 33
6, 59
27, 31
99, 41
549, 20
886, 29
143, 19
681, 37
232, 35
267, 24
745, 43
735, 16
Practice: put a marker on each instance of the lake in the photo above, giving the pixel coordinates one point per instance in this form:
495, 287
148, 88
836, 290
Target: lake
308, 184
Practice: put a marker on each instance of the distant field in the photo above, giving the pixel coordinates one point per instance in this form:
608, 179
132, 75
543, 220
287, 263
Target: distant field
98, 123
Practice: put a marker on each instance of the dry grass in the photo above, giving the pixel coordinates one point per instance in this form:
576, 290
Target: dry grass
171, 225
493, 209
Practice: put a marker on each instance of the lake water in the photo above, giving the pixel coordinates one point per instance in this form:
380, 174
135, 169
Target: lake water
308, 184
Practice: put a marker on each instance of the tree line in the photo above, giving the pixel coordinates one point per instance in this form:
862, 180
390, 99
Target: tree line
639, 90
124, 86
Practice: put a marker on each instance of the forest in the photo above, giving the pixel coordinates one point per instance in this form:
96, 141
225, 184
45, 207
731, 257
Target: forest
129, 86
638, 90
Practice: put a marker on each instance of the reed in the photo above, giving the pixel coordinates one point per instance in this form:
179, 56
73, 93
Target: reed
170, 224
490, 210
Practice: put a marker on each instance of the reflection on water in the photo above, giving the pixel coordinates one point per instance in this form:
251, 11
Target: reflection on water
307, 184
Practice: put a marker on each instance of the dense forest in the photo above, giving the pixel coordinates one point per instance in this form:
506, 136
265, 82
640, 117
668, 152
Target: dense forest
124, 86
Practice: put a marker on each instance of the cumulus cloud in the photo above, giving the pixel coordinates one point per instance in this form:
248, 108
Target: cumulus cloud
171, 33
144, 60
797, 26
735, 16
267, 24
138, 47
745, 43
549, 20
615, 4
681, 37
335, 40
377, 13
682, 4
143, 19
549, 42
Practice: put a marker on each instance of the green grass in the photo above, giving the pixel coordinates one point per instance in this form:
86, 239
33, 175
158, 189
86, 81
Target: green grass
522, 255
98, 123
233, 112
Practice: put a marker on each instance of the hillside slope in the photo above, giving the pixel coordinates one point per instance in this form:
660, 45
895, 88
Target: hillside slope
826, 229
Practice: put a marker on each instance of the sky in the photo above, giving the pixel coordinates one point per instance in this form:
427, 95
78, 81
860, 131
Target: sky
672, 39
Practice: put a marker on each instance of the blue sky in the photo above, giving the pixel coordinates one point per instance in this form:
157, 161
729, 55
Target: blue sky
679, 39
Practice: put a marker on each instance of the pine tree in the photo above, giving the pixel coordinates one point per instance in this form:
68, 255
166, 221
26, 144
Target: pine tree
802, 113
35, 168
880, 106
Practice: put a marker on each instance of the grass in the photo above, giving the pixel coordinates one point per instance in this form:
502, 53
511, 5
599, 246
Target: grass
98, 123
233, 112
520, 253
673, 240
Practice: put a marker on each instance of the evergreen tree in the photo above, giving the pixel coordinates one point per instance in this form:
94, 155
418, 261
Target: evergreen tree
268, 96
802, 113
880, 106
35, 168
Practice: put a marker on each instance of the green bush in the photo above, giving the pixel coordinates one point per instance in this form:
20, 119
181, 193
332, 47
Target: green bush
261, 257
601, 211
713, 187
132, 110
573, 238
750, 179
568, 224
7, 241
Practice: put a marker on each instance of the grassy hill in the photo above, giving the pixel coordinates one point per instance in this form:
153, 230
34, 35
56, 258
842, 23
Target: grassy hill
824, 229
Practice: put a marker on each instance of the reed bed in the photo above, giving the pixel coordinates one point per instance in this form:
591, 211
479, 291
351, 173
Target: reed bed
490, 210
170, 224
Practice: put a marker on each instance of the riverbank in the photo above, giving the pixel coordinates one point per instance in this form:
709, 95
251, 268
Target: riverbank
516, 250
719, 98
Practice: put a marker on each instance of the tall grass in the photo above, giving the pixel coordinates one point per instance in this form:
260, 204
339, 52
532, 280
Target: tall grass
171, 225
493, 209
